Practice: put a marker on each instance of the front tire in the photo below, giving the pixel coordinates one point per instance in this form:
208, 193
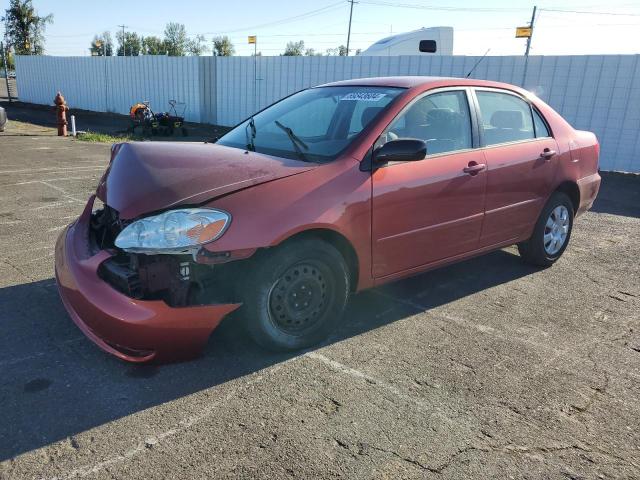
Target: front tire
551, 233
295, 295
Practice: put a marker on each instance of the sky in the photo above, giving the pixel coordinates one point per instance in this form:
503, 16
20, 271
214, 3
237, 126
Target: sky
562, 27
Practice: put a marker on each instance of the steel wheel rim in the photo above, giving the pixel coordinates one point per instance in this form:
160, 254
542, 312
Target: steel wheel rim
556, 230
299, 299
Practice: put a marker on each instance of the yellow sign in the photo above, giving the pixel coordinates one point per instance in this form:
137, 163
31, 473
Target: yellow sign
523, 32
253, 39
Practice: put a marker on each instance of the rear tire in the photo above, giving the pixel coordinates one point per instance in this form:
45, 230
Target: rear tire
295, 295
551, 233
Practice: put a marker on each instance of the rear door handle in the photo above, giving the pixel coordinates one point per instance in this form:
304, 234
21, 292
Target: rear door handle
547, 153
474, 168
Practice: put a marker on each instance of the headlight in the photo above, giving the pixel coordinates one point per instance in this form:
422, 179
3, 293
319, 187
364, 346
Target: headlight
174, 231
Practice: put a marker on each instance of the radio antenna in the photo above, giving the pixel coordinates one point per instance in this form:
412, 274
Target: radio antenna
478, 63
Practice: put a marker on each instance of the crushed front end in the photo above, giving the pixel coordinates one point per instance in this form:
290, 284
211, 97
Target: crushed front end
138, 307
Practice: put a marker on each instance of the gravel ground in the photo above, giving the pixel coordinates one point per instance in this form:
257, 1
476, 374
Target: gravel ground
485, 369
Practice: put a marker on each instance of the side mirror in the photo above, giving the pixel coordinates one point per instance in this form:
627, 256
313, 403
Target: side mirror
428, 46
401, 150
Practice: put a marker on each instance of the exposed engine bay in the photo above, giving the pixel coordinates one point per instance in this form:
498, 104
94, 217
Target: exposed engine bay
177, 280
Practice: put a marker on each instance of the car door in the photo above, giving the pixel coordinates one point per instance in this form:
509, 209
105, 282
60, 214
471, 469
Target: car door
428, 210
521, 159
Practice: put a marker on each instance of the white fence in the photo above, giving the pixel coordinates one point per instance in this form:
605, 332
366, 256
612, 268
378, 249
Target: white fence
600, 93
111, 84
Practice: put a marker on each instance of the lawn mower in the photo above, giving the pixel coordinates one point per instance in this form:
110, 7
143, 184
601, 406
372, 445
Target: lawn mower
164, 123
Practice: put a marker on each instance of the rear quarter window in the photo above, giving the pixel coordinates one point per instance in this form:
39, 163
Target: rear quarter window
540, 125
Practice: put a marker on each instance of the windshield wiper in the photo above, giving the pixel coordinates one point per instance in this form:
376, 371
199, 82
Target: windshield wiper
295, 140
250, 138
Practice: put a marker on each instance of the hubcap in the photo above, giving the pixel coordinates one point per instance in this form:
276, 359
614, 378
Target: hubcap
556, 230
299, 299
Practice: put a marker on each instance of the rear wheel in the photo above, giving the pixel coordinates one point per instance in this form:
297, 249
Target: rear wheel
295, 295
551, 234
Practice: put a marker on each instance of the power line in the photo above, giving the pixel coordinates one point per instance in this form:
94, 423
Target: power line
487, 9
282, 21
443, 8
618, 14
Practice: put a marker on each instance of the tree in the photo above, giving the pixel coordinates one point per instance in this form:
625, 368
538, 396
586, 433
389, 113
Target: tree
223, 47
130, 45
175, 39
10, 63
294, 49
102, 45
341, 51
24, 28
310, 52
197, 46
153, 45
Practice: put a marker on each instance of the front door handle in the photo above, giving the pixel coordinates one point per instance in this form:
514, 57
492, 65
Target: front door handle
474, 168
547, 153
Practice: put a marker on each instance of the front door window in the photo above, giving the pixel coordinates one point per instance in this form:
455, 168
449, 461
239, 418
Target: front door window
442, 120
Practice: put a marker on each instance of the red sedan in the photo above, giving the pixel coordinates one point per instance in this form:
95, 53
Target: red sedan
330, 191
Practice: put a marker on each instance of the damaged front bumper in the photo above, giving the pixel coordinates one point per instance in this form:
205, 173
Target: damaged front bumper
132, 329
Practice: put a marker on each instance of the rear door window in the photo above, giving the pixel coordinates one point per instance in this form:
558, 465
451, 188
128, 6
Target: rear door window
504, 118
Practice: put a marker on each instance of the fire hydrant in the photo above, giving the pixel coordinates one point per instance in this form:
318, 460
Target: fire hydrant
61, 114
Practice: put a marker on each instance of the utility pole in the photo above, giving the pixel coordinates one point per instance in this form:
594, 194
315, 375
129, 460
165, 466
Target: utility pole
526, 52
533, 19
350, 17
124, 42
254, 39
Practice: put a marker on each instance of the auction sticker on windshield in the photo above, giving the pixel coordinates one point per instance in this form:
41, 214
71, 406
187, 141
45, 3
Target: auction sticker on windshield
363, 96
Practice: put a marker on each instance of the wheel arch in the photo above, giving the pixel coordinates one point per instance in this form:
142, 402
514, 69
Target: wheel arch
571, 189
337, 240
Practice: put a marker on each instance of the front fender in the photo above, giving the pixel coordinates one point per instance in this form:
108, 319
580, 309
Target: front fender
335, 197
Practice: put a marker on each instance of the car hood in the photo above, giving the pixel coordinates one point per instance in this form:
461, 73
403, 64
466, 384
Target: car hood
145, 177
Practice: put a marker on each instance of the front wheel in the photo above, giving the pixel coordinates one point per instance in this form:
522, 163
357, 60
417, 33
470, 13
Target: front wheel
295, 295
551, 234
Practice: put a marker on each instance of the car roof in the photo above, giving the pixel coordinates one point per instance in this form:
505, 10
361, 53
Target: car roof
419, 81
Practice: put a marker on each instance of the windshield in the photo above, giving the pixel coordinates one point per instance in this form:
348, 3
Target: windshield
314, 125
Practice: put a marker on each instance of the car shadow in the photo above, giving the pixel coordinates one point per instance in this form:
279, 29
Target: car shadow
56, 383
619, 194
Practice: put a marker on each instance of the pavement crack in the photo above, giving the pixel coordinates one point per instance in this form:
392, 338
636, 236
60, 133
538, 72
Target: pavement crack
513, 408
628, 294
454, 458
464, 364
20, 272
425, 383
616, 297
363, 447
329, 407
600, 389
